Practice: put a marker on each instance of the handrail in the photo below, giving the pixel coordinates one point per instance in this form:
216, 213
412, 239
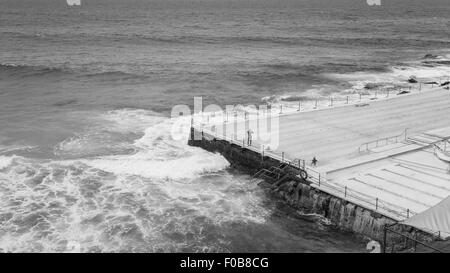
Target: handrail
259, 173
323, 103
384, 141
444, 150
319, 180
387, 229
441, 154
272, 171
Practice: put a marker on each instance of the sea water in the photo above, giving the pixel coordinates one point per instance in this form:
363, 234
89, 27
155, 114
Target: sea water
86, 153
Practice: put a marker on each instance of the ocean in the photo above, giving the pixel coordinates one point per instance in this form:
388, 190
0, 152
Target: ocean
87, 161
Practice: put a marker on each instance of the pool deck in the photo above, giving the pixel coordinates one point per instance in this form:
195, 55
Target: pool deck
377, 154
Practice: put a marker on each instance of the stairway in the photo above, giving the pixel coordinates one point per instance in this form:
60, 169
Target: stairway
423, 139
273, 174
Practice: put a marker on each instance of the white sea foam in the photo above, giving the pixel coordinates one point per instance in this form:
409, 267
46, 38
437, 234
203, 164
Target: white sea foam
108, 133
143, 164
51, 206
130, 120
160, 156
156, 154
5, 161
395, 75
366, 83
8, 149
164, 197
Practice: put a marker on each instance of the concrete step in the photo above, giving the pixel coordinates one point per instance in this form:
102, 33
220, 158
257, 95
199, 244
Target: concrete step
368, 158
423, 139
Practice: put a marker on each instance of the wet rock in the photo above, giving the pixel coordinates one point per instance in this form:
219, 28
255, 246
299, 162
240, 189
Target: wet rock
412, 79
430, 56
371, 85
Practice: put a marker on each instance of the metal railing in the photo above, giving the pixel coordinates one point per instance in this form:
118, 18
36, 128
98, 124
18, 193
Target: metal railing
403, 242
365, 200
313, 104
323, 103
380, 142
445, 143
279, 156
319, 180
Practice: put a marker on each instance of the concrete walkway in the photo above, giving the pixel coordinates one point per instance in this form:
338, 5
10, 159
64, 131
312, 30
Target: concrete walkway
398, 179
336, 133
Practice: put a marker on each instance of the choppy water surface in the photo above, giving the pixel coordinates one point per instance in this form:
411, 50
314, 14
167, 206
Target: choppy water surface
85, 95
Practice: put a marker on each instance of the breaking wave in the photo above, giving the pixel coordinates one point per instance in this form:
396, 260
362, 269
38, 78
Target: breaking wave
157, 155
431, 68
30, 70
100, 72
425, 69
161, 196
5, 161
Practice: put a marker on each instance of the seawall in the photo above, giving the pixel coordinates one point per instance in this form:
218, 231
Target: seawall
302, 196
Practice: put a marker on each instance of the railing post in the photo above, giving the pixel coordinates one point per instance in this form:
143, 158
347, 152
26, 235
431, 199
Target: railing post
262, 153
384, 238
299, 105
345, 192
282, 157
319, 179
316, 104
415, 242
347, 100
407, 213
376, 204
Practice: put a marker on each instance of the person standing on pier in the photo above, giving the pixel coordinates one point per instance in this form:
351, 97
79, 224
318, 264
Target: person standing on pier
314, 161
249, 137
